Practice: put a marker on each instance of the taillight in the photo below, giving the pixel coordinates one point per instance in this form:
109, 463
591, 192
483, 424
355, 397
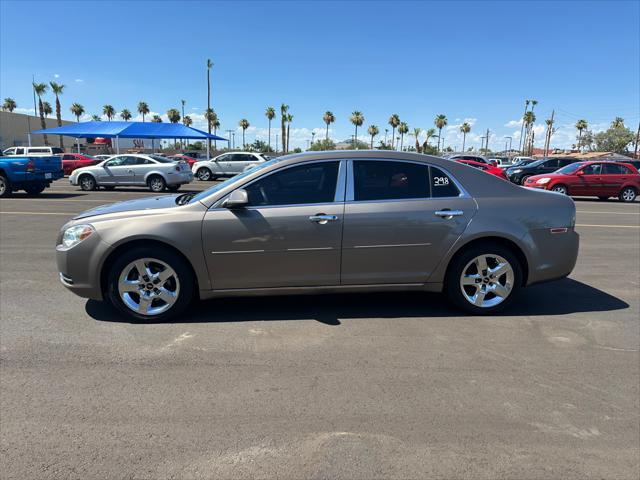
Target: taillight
31, 167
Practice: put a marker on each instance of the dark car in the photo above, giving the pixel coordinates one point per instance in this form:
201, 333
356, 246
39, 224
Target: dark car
518, 174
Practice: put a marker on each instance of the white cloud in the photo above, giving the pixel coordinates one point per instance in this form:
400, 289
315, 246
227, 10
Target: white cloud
513, 123
78, 80
55, 75
26, 111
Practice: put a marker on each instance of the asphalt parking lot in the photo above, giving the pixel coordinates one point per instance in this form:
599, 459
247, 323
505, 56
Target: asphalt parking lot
347, 386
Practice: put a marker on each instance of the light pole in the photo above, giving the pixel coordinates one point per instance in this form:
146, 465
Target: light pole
233, 136
386, 131
313, 136
229, 132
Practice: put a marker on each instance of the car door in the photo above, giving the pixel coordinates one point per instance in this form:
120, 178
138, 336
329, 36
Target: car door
117, 171
219, 164
235, 163
590, 180
400, 219
141, 167
289, 235
613, 177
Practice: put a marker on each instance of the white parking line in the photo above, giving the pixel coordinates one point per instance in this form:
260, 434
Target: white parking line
68, 214
610, 213
610, 226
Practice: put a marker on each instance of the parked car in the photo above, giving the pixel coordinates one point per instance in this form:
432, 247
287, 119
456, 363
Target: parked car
225, 165
102, 157
634, 163
520, 160
592, 179
323, 222
72, 161
190, 160
498, 172
32, 173
472, 158
154, 171
519, 173
195, 154
31, 151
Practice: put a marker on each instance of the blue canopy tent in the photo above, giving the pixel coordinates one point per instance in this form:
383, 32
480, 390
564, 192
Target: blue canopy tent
117, 130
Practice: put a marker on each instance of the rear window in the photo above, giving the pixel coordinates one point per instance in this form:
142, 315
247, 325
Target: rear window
161, 159
442, 185
615, 169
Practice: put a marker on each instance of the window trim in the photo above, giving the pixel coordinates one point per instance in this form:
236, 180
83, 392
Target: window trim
338, 197
350, 193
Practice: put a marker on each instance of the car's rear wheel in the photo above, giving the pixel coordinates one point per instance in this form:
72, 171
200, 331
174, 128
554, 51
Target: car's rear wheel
156, 183
204, 174
628, 195
34, 189
483, 279
5, 186
560, 189
152, 287
87, 182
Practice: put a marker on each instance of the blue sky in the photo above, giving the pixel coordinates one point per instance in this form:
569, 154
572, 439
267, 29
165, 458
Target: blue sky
468, 60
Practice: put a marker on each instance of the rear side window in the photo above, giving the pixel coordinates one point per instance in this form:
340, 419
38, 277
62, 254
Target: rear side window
442, 185
380, 180
614, 169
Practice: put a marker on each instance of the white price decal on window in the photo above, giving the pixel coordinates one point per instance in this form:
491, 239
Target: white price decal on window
440, 181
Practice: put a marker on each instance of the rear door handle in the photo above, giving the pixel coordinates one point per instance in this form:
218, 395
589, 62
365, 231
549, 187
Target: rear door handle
322, 219
448, 213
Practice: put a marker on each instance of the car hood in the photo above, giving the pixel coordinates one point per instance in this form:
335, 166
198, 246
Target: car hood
546, 175
152, 203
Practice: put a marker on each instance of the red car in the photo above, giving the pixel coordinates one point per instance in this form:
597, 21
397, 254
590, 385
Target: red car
71, 161
485, 167
184, 158
591, 179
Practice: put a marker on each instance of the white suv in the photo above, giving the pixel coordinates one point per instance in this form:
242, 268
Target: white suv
226, 165
33, 151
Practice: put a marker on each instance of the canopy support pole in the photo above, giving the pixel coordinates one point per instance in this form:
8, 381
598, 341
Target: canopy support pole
78, 143
153, 146
208, 152
117, 145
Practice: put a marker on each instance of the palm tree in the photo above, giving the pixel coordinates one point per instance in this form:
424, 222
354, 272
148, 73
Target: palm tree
284, 108
394, 121
618, 122
440, 122
96, 118
244, 124
41, 89
58, 89
77, 110
464, 128
143, 109
209, 67
125, 115
430, 133
212, 122
526, 106
109, 111
46, 108
416, 133
357, 118
328, 118
270, 113
528, 119
289, 120
402, 129
373, 131
187, 121
9, 104
581, 125
156, 119
173, 115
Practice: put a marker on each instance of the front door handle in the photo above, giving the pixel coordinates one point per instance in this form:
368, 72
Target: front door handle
322, 218
448, 213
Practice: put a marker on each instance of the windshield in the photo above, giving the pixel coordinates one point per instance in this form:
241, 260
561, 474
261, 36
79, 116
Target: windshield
216, 188
569, 169
535, 163
523, 162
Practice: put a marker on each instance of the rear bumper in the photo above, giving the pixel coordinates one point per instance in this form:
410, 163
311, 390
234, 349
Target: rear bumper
179, 178
554, 255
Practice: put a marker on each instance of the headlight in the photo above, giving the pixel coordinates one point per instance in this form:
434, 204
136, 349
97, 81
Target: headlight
517, 170
542, 181
74, 235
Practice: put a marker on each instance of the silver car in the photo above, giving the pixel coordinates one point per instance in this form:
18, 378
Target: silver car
156, 172
226, 165
323, 222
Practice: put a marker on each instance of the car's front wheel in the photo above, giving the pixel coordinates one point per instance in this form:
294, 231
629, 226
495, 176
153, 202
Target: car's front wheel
87, 183
156, 183
560, 189
628, 194
483, 279
150, 286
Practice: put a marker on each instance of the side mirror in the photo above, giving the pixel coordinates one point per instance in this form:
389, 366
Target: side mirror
238, 198
579, 172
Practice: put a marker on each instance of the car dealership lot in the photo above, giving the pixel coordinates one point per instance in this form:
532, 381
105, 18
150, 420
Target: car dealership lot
384, 385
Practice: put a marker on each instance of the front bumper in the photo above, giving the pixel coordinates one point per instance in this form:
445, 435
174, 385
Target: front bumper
79, 267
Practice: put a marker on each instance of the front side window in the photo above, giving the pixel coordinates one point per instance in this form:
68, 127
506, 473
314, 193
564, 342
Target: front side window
121, 160
304, 184
442, 185
19, 151
382, 180
593, 169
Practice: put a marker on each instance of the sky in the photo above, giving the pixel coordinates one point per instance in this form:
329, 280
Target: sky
474, 61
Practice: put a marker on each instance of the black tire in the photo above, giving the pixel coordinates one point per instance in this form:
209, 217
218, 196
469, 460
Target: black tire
173, 188
628, 195
559, 188
36, 189
175, 261
87, 182
523, 180
156, 183
603, 198
204, 174
455, 271
5, 186
109, 188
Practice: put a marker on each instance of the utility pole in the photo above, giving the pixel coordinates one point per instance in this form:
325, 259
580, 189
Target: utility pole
276, 151
508, 151
487, 146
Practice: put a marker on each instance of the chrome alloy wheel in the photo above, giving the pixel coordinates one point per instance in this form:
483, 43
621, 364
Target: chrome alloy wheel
156, 184
3, 186
628, 194
148, 286
487, 280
